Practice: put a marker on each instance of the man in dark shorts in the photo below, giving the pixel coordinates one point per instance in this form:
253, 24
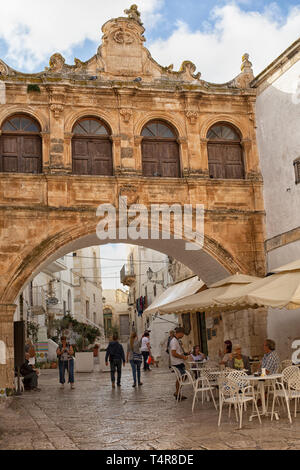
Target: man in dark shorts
178, 356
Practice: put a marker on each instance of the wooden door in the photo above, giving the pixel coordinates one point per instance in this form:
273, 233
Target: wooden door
161, 158
202, 332
21, 154
225, 161
92, 156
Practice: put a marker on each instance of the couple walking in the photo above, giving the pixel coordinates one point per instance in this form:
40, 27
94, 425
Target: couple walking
116, 356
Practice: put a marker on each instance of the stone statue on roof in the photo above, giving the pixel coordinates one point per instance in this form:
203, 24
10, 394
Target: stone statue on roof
134, 14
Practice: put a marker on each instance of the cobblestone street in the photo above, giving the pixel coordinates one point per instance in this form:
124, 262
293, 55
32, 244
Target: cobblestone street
93, 417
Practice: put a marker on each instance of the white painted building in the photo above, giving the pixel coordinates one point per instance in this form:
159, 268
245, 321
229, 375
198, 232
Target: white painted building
71, 284
278, 136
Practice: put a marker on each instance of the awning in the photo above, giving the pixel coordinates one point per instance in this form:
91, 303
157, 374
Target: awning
208, 299
280, 290
173, 293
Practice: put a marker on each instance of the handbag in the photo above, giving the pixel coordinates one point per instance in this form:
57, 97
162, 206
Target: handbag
137, 357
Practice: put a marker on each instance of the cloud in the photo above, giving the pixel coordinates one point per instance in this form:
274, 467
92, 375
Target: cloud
35, 29
218, 46
111, 267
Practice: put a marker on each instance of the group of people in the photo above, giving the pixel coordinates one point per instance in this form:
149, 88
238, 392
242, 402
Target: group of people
65, 356
233, 358
138, 352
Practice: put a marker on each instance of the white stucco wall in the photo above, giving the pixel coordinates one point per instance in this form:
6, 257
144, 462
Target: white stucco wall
284, 325
278, 138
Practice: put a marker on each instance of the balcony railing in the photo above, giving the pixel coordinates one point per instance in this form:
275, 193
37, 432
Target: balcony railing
127, 276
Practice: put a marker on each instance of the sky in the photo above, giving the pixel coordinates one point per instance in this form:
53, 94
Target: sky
212, 34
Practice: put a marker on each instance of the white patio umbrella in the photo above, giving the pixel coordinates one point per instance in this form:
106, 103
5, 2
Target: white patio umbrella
207, 299
279, 290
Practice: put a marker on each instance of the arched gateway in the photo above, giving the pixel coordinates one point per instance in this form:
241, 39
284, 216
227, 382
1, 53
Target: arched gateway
48, 212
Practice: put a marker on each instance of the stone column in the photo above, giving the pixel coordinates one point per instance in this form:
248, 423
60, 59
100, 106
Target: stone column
184, 153
68, 151
7, 336
138, 139
116, 151
45, 151
204, 156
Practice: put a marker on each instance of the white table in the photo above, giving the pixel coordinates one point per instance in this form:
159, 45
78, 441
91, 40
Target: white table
261, 388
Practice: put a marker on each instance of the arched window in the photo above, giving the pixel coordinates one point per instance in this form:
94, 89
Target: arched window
20, 145
225, 154
91, 148
160, 150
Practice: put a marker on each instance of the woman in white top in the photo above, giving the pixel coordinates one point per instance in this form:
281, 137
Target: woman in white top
145, 350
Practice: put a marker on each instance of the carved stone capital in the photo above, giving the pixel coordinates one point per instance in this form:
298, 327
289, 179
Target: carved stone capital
68, 136
45, 137
138, 140
204, 141
182, 140
246, 143
116, 139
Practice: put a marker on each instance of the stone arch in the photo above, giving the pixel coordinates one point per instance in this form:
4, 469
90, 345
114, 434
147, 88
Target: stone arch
160, 116
223, 118
73, 117
212, 263
27, 111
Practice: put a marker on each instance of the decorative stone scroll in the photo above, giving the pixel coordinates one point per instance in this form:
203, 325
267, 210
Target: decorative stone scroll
126, 114
57, 109
192, 117
3, 68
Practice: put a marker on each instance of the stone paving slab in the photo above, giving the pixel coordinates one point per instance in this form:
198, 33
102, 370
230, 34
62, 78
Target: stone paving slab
95, 417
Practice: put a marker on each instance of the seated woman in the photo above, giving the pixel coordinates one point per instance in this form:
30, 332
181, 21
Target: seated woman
238, 360
197, 357
225, 356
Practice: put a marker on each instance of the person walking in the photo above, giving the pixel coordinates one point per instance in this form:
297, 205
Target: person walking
135, 357
65, 355
115, 354
146, 350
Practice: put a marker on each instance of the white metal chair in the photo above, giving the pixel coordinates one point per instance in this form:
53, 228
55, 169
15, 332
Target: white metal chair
286, 363
288, 389
183, 380
21, 384
236, 393
200, 385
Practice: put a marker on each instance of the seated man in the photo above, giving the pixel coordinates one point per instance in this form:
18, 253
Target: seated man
270, 361
30, 375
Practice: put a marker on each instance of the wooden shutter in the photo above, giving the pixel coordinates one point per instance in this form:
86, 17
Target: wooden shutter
9, 154
160, 158
92, 157
216, 160
31, 154
225, 161
234, 167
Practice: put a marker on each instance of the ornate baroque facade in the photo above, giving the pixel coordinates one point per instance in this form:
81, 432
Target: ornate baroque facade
75, 136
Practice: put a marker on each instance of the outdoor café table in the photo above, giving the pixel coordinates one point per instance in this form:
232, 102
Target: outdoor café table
261, 388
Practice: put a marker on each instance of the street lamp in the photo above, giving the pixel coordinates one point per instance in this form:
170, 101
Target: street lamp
150, 276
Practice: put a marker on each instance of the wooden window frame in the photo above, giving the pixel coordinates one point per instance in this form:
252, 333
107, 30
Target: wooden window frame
23, 133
